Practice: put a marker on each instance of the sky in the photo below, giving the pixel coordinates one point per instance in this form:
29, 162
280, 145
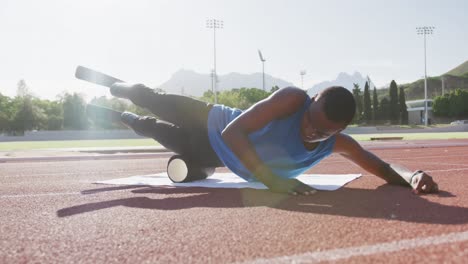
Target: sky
146, 41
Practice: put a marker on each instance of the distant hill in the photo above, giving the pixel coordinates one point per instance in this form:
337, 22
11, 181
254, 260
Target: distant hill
453, 79
343, 79
195, 84
460, 70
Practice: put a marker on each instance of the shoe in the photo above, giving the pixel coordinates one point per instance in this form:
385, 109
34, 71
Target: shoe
129, 118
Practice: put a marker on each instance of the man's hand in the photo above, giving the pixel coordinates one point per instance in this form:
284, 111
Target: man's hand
291, 186
422, 183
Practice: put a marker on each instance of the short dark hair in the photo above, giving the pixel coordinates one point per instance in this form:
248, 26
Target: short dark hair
339, 105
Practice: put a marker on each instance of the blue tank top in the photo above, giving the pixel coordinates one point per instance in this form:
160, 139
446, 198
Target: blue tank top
278, 144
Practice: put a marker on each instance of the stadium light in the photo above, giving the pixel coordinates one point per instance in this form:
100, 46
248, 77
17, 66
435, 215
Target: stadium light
214, 24
302, 73
263, 67
425, 31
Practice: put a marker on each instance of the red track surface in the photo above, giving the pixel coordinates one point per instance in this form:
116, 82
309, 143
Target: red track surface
52, 212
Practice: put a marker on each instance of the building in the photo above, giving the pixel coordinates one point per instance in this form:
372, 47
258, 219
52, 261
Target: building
416, 112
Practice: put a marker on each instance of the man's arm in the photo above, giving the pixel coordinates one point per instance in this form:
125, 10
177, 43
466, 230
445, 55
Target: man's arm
280, 104
391, 173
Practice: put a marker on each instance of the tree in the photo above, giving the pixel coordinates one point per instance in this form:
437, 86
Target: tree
241, 98
375, 106
5, 112
403, 107
27, 115
358, 99
367, 113
441, 106
52, 114
452, 104
251, 95
22, 89
384, 109
458, 103
24, 117
394, 110
74, 112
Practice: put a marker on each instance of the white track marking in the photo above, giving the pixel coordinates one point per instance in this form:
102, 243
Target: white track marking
405, 158
81, 158
423, 157
38, 195
100, 172
344, 253
443, 164
462, 169
464, 166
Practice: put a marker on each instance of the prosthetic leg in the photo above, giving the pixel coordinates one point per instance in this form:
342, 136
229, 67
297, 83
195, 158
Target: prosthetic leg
180, 167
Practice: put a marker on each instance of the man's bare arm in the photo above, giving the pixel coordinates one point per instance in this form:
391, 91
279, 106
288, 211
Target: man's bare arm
280, 104
391, 173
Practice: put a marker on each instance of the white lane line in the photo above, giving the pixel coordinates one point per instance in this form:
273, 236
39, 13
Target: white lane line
344, 253
77, 173
38, 194
444, 164
82, 158
447, 170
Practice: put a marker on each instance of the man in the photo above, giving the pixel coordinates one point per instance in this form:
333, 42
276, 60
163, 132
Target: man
273, 141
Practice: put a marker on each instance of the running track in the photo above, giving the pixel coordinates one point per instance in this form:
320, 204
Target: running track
52, 212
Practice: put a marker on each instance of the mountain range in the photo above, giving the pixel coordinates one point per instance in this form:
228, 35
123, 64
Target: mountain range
192, 83
457, 78
343, 79
459, 71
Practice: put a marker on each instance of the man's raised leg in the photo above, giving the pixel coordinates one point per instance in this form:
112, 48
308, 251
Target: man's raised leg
180, 110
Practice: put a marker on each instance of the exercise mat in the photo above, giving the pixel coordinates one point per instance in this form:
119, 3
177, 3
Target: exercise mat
326, 182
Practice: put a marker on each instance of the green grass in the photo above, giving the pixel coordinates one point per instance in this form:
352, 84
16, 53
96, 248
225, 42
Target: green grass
28, 145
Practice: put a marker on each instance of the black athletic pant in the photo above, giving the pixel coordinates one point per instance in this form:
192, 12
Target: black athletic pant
183, 125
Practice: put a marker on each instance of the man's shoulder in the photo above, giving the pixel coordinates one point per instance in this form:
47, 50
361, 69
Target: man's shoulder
291, 95
284, 101
293, 91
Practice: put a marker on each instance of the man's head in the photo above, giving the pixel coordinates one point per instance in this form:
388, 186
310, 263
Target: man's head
332, 110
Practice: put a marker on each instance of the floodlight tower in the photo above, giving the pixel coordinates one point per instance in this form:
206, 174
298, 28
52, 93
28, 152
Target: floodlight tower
425, 31
302, 73
263, 67
214, 24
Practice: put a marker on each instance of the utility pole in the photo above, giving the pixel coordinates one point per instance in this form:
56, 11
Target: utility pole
442, 78
263, 67
425, 31
302, 73
212, 76
214, 24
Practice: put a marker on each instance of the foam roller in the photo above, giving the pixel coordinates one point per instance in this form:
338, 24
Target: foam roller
180, 169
